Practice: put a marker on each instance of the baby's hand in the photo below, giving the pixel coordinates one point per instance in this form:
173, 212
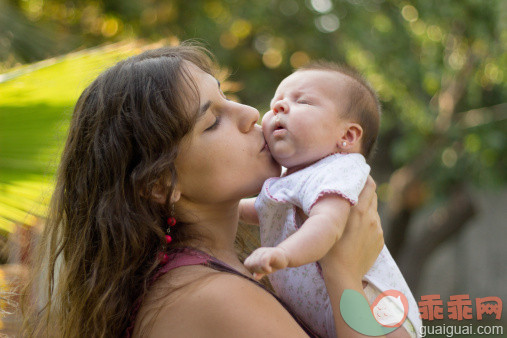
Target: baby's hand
264, 261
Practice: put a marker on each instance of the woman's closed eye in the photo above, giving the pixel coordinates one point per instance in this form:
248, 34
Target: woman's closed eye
215, 124
222, 93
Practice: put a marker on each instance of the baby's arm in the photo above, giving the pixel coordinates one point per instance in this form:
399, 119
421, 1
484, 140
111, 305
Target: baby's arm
310, 243
247, 212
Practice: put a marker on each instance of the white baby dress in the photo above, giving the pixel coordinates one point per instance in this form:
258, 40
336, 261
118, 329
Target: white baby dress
303, 287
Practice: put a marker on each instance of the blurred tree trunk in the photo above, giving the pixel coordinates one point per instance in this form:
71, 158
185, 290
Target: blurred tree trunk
408, 191
452, 218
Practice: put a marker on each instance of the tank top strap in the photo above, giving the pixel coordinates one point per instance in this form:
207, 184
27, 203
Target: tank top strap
187, 256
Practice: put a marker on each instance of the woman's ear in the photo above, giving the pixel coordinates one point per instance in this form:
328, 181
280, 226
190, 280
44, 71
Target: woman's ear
351, 137
159, 193
175, 196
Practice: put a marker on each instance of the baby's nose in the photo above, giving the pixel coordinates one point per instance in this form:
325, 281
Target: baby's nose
280, 107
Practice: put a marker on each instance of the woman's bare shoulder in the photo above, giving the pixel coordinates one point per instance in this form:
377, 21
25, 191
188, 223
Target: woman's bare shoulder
220, 304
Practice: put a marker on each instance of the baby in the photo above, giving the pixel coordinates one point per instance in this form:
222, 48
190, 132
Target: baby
323, 122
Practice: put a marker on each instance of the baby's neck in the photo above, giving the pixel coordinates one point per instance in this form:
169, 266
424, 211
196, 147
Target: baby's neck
292, 170
296, 168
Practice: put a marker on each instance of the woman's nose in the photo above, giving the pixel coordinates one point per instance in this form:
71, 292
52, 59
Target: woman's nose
280, 107
248, 118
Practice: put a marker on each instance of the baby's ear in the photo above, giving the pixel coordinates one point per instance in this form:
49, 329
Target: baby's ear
354, 133
351, 137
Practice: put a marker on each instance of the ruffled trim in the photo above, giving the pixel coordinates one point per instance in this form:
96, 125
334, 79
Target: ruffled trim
266, 188
331, 192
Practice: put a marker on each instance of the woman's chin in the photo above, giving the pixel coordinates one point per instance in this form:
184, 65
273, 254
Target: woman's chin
276, 170
256, 188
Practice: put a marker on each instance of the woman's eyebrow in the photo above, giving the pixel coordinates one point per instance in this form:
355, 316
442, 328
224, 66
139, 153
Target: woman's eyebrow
204, 108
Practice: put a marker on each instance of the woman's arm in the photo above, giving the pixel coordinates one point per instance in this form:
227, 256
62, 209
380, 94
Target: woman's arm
247, 212
352, 256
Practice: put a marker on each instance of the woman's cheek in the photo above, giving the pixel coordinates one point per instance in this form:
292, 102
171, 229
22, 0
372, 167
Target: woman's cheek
265, 120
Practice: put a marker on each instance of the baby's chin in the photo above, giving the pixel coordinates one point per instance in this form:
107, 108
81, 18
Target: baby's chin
291, 161
282, 156
297, 161
292, 157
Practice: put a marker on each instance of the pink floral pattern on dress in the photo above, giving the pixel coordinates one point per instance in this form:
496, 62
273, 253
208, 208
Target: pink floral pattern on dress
303, 287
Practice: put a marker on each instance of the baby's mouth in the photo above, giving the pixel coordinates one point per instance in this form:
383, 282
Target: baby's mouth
279, 125
279, 132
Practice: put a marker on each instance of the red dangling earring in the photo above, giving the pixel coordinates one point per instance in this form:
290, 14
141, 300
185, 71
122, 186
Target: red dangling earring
171, 221
162, 257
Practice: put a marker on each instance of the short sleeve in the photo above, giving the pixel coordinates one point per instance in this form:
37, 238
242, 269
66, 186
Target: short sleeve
343, 175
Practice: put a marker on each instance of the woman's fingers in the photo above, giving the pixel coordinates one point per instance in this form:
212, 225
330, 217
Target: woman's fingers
363, 237
375, 200
367, 196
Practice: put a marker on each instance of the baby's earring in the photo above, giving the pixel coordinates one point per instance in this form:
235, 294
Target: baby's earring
344, 144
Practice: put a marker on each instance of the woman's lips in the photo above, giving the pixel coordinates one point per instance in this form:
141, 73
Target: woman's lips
265, 147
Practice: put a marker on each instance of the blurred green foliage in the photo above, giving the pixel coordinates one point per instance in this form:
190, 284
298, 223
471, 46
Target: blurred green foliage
439, 68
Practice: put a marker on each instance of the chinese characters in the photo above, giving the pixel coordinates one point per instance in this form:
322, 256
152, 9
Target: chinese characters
459, 307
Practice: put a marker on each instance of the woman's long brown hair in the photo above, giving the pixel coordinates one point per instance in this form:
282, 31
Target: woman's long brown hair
99, 247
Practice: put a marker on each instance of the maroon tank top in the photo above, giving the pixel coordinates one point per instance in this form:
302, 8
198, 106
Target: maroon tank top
190, 256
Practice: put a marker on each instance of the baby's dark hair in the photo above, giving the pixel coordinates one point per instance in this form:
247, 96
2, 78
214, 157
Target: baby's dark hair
363, 105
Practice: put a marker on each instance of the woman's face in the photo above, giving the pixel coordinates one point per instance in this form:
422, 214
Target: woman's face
225, 157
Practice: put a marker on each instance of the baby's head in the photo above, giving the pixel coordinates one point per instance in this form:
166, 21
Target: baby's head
318, 110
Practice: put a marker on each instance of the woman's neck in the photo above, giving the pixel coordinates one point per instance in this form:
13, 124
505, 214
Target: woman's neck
216, 226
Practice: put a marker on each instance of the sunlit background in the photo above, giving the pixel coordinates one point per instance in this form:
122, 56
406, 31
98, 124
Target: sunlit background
439, 68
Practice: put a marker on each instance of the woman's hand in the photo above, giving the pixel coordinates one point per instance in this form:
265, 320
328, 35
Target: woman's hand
352, 256
362, 240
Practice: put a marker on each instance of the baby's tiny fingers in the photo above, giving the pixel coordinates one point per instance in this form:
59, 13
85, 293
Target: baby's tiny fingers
267, 268
258, 276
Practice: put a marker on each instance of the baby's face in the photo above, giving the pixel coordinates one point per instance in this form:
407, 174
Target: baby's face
304, 124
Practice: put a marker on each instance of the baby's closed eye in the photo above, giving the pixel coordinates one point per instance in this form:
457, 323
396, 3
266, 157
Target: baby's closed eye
304, 102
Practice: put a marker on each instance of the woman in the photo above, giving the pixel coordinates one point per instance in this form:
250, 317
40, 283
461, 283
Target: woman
154, 139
